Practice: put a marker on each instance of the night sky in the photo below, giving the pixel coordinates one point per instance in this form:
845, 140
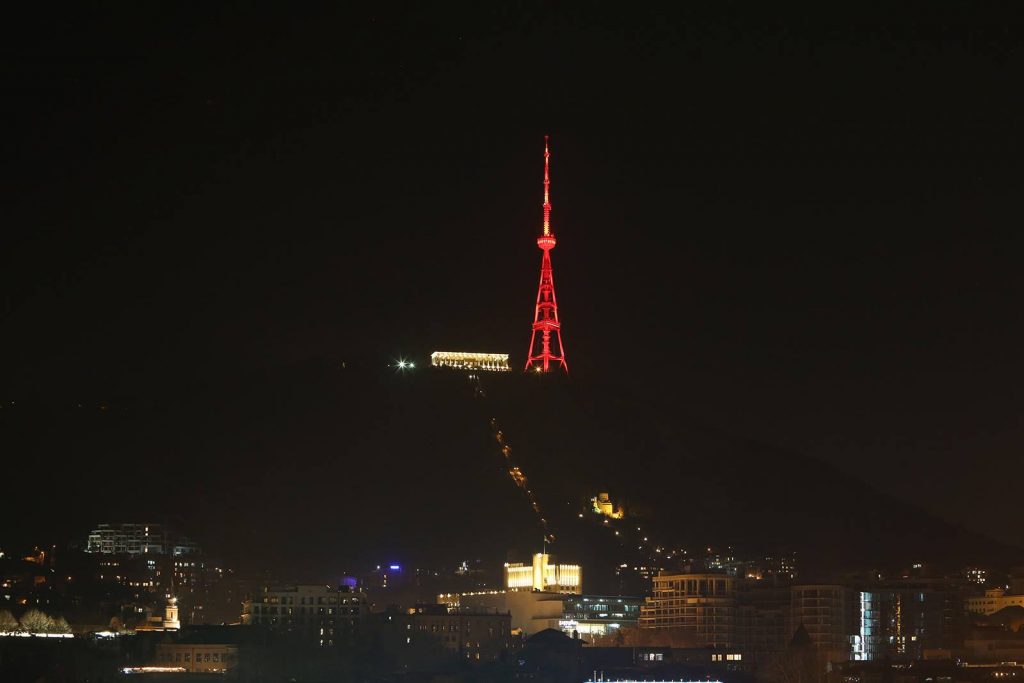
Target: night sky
803, 228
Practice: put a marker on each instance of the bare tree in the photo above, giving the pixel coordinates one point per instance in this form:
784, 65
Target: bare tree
8, 624
35, 621
61, 625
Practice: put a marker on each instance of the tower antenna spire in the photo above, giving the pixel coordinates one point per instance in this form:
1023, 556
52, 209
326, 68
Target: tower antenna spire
547, 189
546, 348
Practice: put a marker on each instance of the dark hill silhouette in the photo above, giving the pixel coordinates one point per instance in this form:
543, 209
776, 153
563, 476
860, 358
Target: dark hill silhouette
323, 468
695, 486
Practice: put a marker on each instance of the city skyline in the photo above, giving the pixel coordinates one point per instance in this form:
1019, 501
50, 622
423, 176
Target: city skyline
267, 409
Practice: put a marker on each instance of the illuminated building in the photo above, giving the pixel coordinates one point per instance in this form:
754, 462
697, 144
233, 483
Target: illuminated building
776, 567
196, 657
130, 538
532, 612
476, 635
702, 606
603, 506
901, 620
323, 615
545, 315
207, 592
541, 575
698, 663
994, 600
169, 621
464, 360
387, 576
976, 575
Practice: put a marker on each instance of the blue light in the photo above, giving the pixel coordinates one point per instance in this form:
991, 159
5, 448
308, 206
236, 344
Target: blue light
396, 567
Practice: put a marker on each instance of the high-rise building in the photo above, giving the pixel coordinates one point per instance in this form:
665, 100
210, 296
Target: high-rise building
900, 620
208, 592
762, 619
546, 350
830, 615
700, 607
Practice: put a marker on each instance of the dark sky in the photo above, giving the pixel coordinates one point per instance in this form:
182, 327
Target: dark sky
801, 226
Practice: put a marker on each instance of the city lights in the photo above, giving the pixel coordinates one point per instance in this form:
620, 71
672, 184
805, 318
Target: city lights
783, 243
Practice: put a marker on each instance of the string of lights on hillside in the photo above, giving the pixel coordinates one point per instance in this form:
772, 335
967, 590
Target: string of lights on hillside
659, 556
630, 534
514, 471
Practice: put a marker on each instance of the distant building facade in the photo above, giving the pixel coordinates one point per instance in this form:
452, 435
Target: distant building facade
994, 600
142, 538
534, 611
831, 616
197, 657
903, 620
473, 634
762, 620
466, 360
700, 606
318, 614
603, 505
541, 575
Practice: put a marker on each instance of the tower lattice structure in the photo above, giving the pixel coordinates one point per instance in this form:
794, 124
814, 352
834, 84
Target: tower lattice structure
546, 348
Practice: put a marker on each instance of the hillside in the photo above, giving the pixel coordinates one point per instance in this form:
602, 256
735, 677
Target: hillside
323, 468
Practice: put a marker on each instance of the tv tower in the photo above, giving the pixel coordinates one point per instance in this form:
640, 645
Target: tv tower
545, 316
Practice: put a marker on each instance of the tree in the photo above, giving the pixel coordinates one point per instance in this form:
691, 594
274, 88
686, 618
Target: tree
61, 625
8, 624
35, 621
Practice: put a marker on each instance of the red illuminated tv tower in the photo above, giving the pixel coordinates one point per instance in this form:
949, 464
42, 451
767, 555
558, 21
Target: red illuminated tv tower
545, 316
